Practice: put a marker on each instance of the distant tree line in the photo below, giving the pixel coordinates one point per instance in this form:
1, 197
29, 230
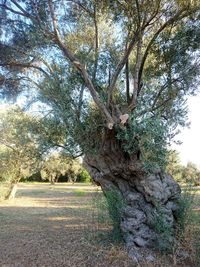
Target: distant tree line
60, 168
189, 174
30, 150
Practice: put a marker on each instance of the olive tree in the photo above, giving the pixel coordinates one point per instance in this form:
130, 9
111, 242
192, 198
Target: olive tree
19, 153
115, 75
59, 164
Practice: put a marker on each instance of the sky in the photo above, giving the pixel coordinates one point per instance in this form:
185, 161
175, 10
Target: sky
190, 137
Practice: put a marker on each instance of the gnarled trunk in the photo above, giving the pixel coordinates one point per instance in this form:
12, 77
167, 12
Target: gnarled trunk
149, 213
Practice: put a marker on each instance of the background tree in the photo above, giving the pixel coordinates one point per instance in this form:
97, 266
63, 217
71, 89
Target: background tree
19, 154
59, 164
191, 174
115, 74
174, 166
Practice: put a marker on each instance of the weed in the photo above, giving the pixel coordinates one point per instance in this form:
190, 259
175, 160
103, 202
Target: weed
115, 205
164, 242
184, 213
108, 209
188, 233
197, 246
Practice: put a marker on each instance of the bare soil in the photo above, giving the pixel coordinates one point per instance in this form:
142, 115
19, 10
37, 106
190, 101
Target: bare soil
50, 226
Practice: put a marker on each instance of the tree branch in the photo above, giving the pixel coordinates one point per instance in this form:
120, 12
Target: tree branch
179, 15
24, 13
12, 10
120, 67
80, 102
80, 67
96, 44
136, 74
24, 65
82, 7
127, 80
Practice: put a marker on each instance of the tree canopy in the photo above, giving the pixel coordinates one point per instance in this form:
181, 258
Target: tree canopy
112, 78
101, 64
19, 152
59, 164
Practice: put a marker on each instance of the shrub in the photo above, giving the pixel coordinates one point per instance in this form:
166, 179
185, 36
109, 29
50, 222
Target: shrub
166, 243
83, 177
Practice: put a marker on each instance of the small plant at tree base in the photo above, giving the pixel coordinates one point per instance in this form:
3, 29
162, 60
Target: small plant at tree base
164, 230
184, 213
189, 222
109, 208
115, 205
197, 246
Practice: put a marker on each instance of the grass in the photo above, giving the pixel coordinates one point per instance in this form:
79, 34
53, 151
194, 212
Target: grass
60, 226
79, 192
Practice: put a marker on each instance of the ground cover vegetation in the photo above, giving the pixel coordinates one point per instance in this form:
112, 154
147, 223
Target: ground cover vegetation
112, 77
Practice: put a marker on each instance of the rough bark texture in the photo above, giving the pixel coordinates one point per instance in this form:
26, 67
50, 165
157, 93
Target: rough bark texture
150, 199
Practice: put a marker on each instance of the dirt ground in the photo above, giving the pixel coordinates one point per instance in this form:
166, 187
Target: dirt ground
50, 226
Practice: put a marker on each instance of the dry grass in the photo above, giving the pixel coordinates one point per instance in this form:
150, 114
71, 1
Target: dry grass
56, 226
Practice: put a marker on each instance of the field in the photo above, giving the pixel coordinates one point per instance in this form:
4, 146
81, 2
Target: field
57, 226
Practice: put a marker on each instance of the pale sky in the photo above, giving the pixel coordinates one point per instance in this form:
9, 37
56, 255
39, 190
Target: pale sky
190, 148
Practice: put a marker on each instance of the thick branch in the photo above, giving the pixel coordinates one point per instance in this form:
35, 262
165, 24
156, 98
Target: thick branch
120, 67
127, 82
24, 12
38, 57
24, 65
96, 45
138, 12
71, 57
127, 79
179, 15
80, 102
12, 10
53, 17
136, 84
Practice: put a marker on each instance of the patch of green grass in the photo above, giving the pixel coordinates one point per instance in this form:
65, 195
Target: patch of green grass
79, 192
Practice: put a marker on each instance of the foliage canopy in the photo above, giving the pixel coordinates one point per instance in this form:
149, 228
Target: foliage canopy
92, 62
19, 151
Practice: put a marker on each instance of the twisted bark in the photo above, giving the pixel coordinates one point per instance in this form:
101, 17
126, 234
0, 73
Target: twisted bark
149, 198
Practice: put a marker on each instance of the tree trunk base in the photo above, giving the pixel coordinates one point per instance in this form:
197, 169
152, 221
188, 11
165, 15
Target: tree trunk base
12, 192
148, 219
